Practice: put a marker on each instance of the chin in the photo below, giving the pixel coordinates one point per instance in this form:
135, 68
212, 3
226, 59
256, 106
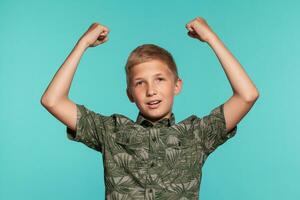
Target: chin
155, 115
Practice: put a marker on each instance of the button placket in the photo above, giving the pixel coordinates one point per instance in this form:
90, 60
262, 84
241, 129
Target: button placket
152, 164
153, 134
150, 193
153, 139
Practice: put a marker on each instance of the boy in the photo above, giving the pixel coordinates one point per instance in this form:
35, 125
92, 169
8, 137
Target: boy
153, 157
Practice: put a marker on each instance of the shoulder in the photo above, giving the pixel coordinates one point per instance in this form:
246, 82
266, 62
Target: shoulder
188, 120
196, 120
187, 123
113, 119
121, 119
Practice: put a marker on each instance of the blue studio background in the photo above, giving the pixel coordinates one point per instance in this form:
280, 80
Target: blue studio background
37, 161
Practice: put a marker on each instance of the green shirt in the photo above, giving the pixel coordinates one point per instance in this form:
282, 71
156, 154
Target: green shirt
150, 161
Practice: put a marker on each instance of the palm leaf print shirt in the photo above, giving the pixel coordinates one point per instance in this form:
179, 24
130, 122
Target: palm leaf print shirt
151, 161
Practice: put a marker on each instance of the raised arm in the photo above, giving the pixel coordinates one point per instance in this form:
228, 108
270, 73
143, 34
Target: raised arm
244, 91
55, 98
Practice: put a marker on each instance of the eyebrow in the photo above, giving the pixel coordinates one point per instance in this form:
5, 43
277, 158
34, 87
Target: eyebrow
139, 78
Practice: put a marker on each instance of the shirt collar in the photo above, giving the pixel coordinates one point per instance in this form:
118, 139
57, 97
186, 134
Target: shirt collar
165, 122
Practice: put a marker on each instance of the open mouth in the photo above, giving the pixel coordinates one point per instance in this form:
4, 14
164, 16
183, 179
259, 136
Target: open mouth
153, 104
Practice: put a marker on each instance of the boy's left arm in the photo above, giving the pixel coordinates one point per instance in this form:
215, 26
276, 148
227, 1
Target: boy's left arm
244, 91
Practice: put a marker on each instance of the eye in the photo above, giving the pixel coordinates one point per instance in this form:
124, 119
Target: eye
138, 83
160, 79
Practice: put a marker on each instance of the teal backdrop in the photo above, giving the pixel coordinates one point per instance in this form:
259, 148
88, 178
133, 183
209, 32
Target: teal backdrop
37, 161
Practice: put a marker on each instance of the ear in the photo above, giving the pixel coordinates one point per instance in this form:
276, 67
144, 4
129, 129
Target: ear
178, 86
129, 95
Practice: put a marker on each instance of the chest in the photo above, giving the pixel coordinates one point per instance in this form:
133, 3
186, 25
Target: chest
152, 148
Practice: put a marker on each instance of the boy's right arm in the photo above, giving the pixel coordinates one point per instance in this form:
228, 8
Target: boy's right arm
55, 98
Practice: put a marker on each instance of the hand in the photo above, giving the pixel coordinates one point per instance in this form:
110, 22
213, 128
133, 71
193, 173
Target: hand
199, 29
95, 35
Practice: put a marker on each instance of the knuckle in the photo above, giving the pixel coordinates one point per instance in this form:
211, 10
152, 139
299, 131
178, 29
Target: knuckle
200, 19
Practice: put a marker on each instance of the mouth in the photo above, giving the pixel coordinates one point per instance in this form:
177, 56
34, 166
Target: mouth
153, 104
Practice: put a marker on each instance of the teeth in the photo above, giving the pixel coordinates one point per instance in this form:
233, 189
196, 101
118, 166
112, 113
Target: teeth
153, 102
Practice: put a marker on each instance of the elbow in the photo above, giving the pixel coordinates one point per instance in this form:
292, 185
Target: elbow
46, 102
43, 102
252, 97
51, 102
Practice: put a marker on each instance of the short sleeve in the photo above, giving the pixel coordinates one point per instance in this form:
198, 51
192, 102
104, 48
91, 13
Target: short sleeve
91, 128
211, 129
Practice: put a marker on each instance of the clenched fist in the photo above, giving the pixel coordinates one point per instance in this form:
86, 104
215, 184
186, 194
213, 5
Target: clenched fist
95, 35
199, 29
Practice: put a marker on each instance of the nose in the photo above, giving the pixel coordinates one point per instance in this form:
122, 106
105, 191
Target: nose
151, 90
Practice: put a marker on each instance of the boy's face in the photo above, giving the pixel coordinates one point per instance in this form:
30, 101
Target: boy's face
152, 88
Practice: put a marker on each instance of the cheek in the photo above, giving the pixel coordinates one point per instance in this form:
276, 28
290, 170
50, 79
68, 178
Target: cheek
138, 93
169, 91
169, 88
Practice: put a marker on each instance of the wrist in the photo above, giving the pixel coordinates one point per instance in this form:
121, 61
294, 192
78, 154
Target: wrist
212, 38
82, 44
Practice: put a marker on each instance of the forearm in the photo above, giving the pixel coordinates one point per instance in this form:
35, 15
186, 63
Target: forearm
239, 80
59, 87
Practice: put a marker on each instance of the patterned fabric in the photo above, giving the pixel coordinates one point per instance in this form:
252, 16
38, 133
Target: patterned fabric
151, 161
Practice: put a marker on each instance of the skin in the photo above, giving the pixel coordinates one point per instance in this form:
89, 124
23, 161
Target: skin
153, 80
245, 93
95, 35
56, 97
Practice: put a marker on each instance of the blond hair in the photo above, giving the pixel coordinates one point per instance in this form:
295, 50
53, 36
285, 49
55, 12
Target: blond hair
148, 52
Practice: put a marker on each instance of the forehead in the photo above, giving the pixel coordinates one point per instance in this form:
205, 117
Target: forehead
150, 68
